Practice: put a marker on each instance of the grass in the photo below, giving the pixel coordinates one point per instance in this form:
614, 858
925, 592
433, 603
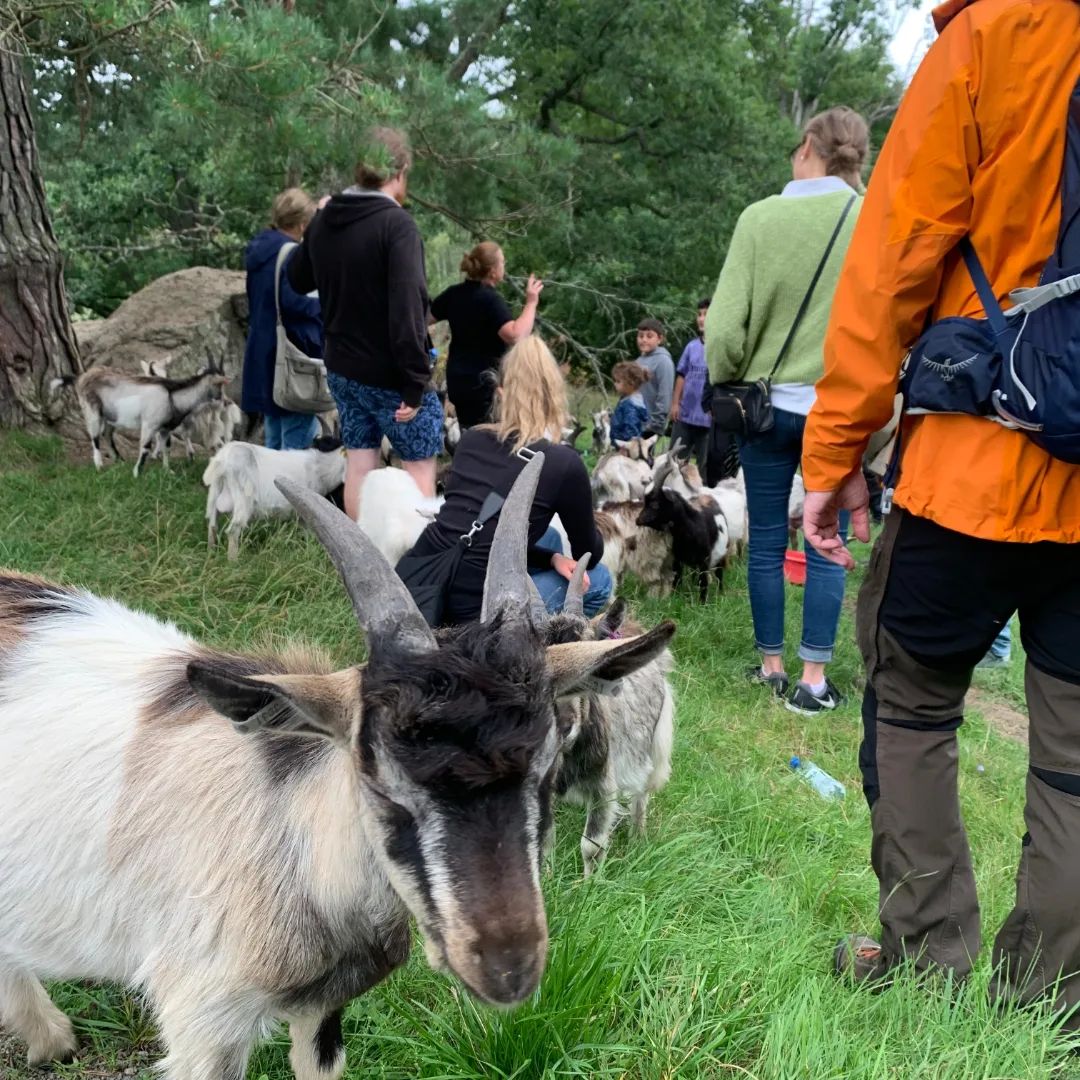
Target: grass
702, 952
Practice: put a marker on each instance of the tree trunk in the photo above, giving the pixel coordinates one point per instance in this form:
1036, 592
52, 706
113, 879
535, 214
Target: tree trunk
36, 340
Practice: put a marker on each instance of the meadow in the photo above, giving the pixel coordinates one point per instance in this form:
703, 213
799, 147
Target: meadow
704, 951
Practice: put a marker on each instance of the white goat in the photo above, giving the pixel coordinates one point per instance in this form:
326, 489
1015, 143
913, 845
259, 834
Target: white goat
242, 839
148, 404
601, 435
618, 748
240, 481
394, 512
623, 474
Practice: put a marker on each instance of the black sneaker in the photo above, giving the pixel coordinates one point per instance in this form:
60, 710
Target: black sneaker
803, 700
778, 681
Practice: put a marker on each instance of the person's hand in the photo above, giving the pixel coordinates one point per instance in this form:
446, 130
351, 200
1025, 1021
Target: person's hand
821, 519
322, 202
674, 414
533, 289
565, 567
405, 413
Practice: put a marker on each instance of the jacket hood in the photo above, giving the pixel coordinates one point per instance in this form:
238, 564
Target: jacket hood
263, 248
347, 209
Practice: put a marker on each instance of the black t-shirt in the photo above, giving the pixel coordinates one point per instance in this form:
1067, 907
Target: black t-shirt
476, 313
483, 464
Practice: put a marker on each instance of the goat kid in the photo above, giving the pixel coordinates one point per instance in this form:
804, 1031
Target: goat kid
698, 529
601, 433
618, 748
240, 481
151, 405
394, 512
243, 838
623, 474
629, 548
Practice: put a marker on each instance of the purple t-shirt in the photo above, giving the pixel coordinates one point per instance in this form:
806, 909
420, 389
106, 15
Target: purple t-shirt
695, 372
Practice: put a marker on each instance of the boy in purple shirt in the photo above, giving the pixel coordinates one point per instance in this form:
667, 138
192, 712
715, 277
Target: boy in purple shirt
691, 422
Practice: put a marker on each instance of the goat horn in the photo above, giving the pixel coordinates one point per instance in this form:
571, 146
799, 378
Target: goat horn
506, 588
382, 604
574, 604
538, 611
674, 449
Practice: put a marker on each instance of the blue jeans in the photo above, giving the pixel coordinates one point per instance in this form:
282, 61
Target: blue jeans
769, 463
1002, 646
552, 585
292, 431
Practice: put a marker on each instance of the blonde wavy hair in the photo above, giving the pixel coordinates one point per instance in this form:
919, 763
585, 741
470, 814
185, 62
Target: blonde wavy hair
532, 403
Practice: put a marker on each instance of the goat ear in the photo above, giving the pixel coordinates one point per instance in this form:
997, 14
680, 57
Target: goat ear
583, 666
321, 705
607, 626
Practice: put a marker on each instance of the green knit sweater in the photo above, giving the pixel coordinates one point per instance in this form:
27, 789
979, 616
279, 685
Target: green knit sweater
774, 251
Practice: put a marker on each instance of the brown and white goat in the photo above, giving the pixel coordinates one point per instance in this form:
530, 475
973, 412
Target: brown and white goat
618, 748
243, 838
151, 405
631, 548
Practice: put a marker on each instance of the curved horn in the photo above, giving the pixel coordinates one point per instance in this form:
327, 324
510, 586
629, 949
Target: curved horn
538, 611
506, 585
574, 604
674, 448
382, 604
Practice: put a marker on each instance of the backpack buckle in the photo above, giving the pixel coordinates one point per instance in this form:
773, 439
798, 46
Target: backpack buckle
886, 500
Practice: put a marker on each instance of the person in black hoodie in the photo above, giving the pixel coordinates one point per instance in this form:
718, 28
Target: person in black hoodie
300, 315
364, 254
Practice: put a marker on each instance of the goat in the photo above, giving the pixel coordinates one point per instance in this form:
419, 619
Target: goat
628, 548
243, 838
151, 405
622, 475
240, 481
618, 747
571, 434
393, 512
211, 426
601, 433
698, 528
451, 434
796, 501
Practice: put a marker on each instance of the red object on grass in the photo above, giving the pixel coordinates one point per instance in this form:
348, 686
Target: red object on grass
795, 568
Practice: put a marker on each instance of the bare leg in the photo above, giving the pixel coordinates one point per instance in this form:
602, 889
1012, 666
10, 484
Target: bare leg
28, 1011
318, 1048
812, 673
423, 472
358, 463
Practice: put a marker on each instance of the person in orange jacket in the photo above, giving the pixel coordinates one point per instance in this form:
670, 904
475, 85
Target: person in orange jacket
985, 523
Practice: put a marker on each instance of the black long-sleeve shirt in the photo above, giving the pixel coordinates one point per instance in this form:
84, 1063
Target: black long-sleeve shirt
483, 464
364, 254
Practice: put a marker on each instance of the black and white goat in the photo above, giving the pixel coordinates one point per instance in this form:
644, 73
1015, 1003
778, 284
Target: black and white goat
244, 838
618, 748
698, 530
240, 481
149, 404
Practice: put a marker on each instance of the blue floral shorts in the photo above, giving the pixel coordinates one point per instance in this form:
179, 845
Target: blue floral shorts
367, 414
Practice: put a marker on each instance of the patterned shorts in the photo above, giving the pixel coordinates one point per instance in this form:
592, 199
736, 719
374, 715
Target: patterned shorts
367, 414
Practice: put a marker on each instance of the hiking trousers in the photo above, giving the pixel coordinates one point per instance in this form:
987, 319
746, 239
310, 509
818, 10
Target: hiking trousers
932, 603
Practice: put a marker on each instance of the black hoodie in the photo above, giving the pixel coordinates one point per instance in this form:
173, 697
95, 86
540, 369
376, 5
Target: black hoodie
363, 253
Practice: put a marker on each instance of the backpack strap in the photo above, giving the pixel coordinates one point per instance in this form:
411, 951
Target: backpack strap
282, 254
493, 501
995, 316
810, 291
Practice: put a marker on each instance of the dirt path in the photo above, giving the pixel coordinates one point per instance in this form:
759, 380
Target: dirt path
1003, 718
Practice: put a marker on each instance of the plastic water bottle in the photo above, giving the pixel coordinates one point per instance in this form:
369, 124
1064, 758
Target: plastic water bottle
818, 779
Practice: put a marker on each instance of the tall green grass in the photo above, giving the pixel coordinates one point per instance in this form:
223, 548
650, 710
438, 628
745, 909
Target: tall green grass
703, 951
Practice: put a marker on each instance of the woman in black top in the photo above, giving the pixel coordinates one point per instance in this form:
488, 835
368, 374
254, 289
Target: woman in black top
531, 405
481, 329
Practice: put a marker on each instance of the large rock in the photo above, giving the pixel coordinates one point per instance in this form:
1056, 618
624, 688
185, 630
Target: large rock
181, 322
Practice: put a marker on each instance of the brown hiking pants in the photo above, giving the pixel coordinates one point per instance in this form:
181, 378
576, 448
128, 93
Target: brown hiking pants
932, 603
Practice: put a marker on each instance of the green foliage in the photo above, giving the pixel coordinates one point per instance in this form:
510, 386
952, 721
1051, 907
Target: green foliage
609, 145
702, 951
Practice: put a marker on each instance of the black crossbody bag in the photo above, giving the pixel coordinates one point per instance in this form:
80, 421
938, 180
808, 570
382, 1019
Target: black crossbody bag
745, 408
430, 577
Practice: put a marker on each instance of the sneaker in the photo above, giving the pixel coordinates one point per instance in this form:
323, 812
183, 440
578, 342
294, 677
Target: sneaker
778, 681
803, 700
862, 959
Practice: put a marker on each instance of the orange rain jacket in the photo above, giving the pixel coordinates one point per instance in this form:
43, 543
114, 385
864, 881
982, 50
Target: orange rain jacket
977, 146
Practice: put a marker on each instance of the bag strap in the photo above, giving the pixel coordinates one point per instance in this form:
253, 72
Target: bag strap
987, 296
494, 500
810, 291
285, 249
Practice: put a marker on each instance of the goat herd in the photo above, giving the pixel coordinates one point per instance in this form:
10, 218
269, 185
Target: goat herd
243, 838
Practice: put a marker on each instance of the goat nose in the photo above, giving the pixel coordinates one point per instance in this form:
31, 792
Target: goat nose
511, 972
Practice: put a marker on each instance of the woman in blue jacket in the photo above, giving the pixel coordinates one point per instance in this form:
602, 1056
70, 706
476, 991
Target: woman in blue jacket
300, 315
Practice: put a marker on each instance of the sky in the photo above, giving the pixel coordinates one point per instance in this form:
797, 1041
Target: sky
911, 39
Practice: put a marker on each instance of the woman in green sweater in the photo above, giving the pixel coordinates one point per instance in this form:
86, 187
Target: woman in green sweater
774, 253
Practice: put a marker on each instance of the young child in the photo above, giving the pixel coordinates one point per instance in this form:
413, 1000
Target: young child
656, 360
690, 421
630, 416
